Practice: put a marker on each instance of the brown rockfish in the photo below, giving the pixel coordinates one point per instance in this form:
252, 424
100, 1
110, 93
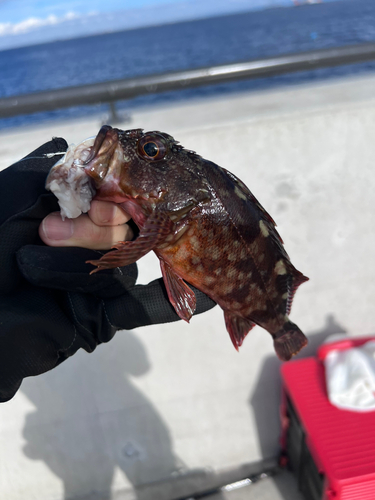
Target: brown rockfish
202, 222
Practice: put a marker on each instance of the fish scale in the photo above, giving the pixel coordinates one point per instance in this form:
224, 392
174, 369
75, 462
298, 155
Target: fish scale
202, 222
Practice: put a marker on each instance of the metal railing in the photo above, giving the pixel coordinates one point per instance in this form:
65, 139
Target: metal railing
111, 91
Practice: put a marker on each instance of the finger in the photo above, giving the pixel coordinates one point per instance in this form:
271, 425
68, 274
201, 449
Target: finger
67, 269
148, 305
105, 213
81, 232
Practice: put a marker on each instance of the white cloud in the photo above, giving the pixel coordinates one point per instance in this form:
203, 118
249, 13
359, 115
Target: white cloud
33, 23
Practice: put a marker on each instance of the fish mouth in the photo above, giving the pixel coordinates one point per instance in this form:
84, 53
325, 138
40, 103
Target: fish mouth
102, 154
91, 169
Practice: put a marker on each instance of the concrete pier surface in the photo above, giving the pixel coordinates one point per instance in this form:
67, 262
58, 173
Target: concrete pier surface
177, 402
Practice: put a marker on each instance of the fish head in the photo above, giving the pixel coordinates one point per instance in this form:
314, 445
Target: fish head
148, 168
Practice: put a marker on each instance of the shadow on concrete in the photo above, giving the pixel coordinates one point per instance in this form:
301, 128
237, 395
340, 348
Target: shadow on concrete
265, 399
91, 422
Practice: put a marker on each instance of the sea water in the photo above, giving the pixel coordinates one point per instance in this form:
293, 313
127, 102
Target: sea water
192, 44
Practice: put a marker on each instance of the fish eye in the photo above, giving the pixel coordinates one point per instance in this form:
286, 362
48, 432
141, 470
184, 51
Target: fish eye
152, 147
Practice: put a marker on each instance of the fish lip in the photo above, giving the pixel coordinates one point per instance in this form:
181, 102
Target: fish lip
97, 164
99, 139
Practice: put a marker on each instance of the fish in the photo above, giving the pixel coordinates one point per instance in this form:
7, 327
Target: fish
203, 223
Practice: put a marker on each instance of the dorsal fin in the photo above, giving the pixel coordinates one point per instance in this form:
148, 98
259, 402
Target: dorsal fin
296, 278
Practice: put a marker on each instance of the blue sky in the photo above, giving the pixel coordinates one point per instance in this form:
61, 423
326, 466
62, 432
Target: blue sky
15, 11
24, 22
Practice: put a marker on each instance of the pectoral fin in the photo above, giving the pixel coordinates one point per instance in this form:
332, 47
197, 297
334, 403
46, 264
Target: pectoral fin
180, 294
156, 228
202, 196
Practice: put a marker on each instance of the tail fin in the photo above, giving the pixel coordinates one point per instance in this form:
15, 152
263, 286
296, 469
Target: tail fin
288, 341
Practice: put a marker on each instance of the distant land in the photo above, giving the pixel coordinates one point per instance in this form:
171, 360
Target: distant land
35, 31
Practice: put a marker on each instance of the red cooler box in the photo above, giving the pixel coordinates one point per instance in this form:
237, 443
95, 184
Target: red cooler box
332, 451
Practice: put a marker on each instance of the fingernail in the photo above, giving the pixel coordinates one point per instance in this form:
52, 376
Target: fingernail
107, 212
57, 229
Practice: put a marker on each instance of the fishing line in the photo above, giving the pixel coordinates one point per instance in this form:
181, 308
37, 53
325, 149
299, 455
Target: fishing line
47, 155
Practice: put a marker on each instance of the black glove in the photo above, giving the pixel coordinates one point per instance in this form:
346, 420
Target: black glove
50, 306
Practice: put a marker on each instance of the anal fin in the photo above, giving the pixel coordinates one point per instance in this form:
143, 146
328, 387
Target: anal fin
237, 327
179, 293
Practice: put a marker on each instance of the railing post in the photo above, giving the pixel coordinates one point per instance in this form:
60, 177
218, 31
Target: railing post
114, 118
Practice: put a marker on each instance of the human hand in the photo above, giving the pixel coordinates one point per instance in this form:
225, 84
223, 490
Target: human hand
50, 305
104, 225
